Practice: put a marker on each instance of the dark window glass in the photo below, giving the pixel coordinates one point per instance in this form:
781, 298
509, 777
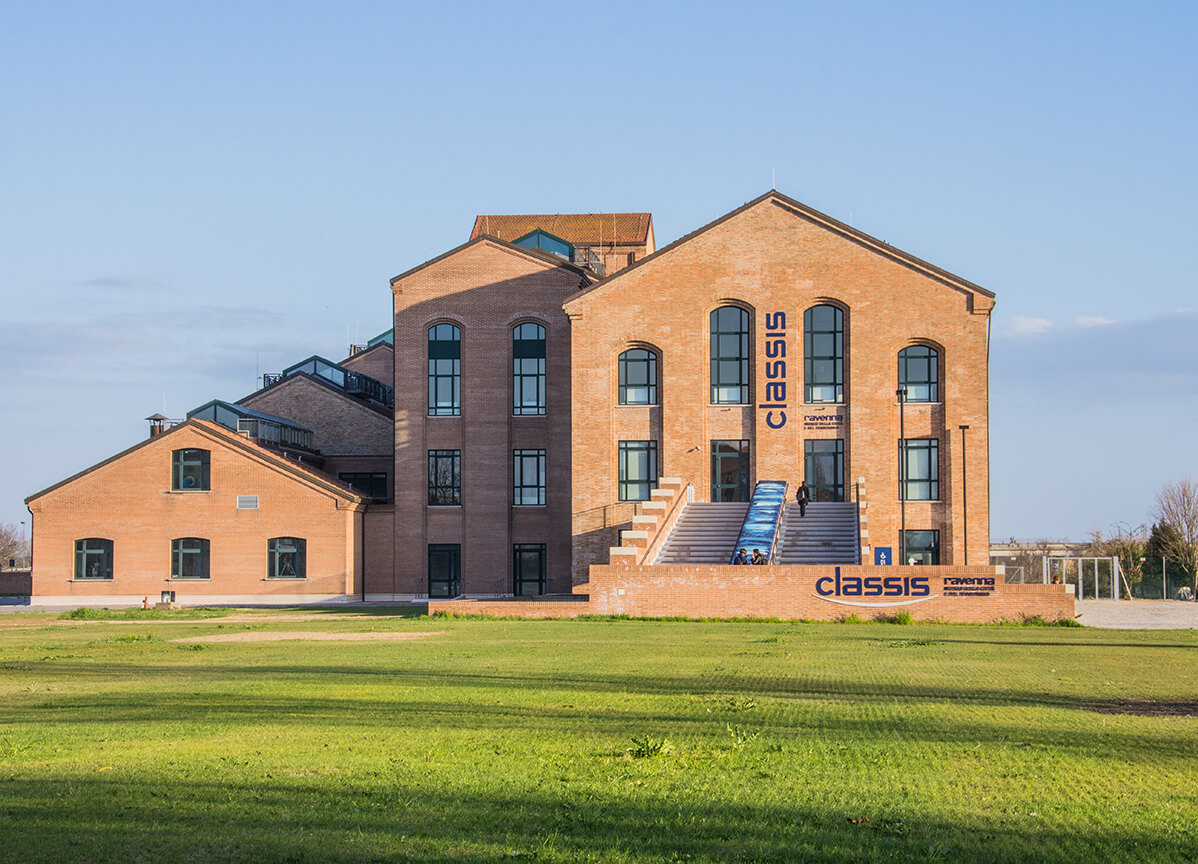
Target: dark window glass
189, 558
923, 546
919, 472
444, 478
638, 377
528, 369
444, 371
285, 558
444, 569
729, 356
919, 372
371, 484
93, 558
638, 469
730, 471
823, 469
528, 567
528, 472
823, 354
189, 470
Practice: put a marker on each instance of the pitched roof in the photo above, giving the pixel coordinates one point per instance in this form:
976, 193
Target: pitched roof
881, 247
539, 254
585, 229
251, 448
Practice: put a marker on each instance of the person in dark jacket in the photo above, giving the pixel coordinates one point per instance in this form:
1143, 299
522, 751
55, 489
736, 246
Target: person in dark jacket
758, 558
803, 497
742, 557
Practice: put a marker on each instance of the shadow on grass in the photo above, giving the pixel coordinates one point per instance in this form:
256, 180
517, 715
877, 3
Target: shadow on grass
399, 818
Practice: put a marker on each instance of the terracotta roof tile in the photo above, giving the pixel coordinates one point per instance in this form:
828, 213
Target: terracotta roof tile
582, 229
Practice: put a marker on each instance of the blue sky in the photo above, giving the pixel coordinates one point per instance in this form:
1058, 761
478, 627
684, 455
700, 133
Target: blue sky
190, 197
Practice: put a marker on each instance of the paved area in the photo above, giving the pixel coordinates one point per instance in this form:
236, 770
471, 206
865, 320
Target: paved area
1138, 614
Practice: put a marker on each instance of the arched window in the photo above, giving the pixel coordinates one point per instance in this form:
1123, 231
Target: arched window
638, 377
729, 356
93, 558
823, 354
919, 372
189, 558
444, 371
528, 369
286, 558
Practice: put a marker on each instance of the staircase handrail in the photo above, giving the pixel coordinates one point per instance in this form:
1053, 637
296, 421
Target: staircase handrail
765, 512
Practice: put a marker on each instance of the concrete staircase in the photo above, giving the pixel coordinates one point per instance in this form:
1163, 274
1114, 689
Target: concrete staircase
705, 533
826, 535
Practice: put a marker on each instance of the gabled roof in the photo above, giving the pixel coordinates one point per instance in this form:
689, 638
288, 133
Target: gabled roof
373, 407
581, 229
252, 450
538, 254
802, 210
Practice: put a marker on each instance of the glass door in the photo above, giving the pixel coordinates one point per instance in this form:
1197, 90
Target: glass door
730, 470
444, 570
823, 469
528, 565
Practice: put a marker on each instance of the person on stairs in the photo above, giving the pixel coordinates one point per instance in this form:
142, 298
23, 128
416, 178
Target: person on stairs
803, 497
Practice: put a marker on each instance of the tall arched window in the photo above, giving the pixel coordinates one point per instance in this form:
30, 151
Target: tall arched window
919, 372
823, 354
638, 377
729, 356
444, 371
528, 369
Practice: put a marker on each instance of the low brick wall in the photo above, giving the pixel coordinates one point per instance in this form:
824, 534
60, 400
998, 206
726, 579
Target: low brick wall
16, 582
825, 593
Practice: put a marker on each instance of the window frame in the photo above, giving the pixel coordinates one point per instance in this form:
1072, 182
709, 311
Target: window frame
932, 550
624, 363
105, 554
811, 381
182, 467
625, 450
181, 555
274, 553
520, 486
438, 374
521, 371
742, 381
927, 390
519, 581
375, 478
927, 488
441, 490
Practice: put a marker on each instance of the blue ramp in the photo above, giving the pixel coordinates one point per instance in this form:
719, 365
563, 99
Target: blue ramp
760, 528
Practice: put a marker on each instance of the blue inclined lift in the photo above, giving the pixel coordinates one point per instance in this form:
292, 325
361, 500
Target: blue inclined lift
760, 528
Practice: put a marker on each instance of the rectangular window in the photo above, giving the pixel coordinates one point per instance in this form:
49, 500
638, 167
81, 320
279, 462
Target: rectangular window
528, 565
444, 371
444, 478
528, 369
189, 471
823, 468
919, 472
286, 558
923, 546
444, 570
189, 558
638, 469
370, 484
528, 473
730, 470
93, 558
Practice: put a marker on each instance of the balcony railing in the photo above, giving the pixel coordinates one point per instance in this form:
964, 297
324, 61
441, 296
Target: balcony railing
275, 433
353, 383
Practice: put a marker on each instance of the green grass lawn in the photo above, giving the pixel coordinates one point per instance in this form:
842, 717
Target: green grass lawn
595, 741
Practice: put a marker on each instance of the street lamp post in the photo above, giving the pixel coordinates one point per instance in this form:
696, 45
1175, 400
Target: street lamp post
901, 393
964, 494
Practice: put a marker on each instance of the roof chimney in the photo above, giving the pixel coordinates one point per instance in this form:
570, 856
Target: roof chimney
157, 424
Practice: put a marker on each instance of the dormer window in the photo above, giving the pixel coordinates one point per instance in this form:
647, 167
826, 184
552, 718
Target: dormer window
540, 239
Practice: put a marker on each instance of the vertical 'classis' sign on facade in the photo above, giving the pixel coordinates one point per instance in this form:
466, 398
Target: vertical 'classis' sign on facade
775, 370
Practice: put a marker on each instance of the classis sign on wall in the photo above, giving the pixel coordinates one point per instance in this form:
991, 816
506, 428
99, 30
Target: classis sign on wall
775, 370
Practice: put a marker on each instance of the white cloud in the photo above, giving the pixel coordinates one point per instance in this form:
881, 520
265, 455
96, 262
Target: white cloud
1092, 321
1023, 325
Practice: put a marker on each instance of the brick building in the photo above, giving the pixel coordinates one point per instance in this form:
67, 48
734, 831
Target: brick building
556, 393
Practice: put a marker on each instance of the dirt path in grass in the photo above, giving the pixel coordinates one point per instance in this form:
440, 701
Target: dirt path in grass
300, 635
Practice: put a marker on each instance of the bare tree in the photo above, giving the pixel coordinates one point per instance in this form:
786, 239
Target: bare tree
1128, 544
12, 544
1177, 507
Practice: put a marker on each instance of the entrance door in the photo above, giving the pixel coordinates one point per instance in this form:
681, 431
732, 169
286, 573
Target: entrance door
444, 570
528, 566
823, 469
730, 470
